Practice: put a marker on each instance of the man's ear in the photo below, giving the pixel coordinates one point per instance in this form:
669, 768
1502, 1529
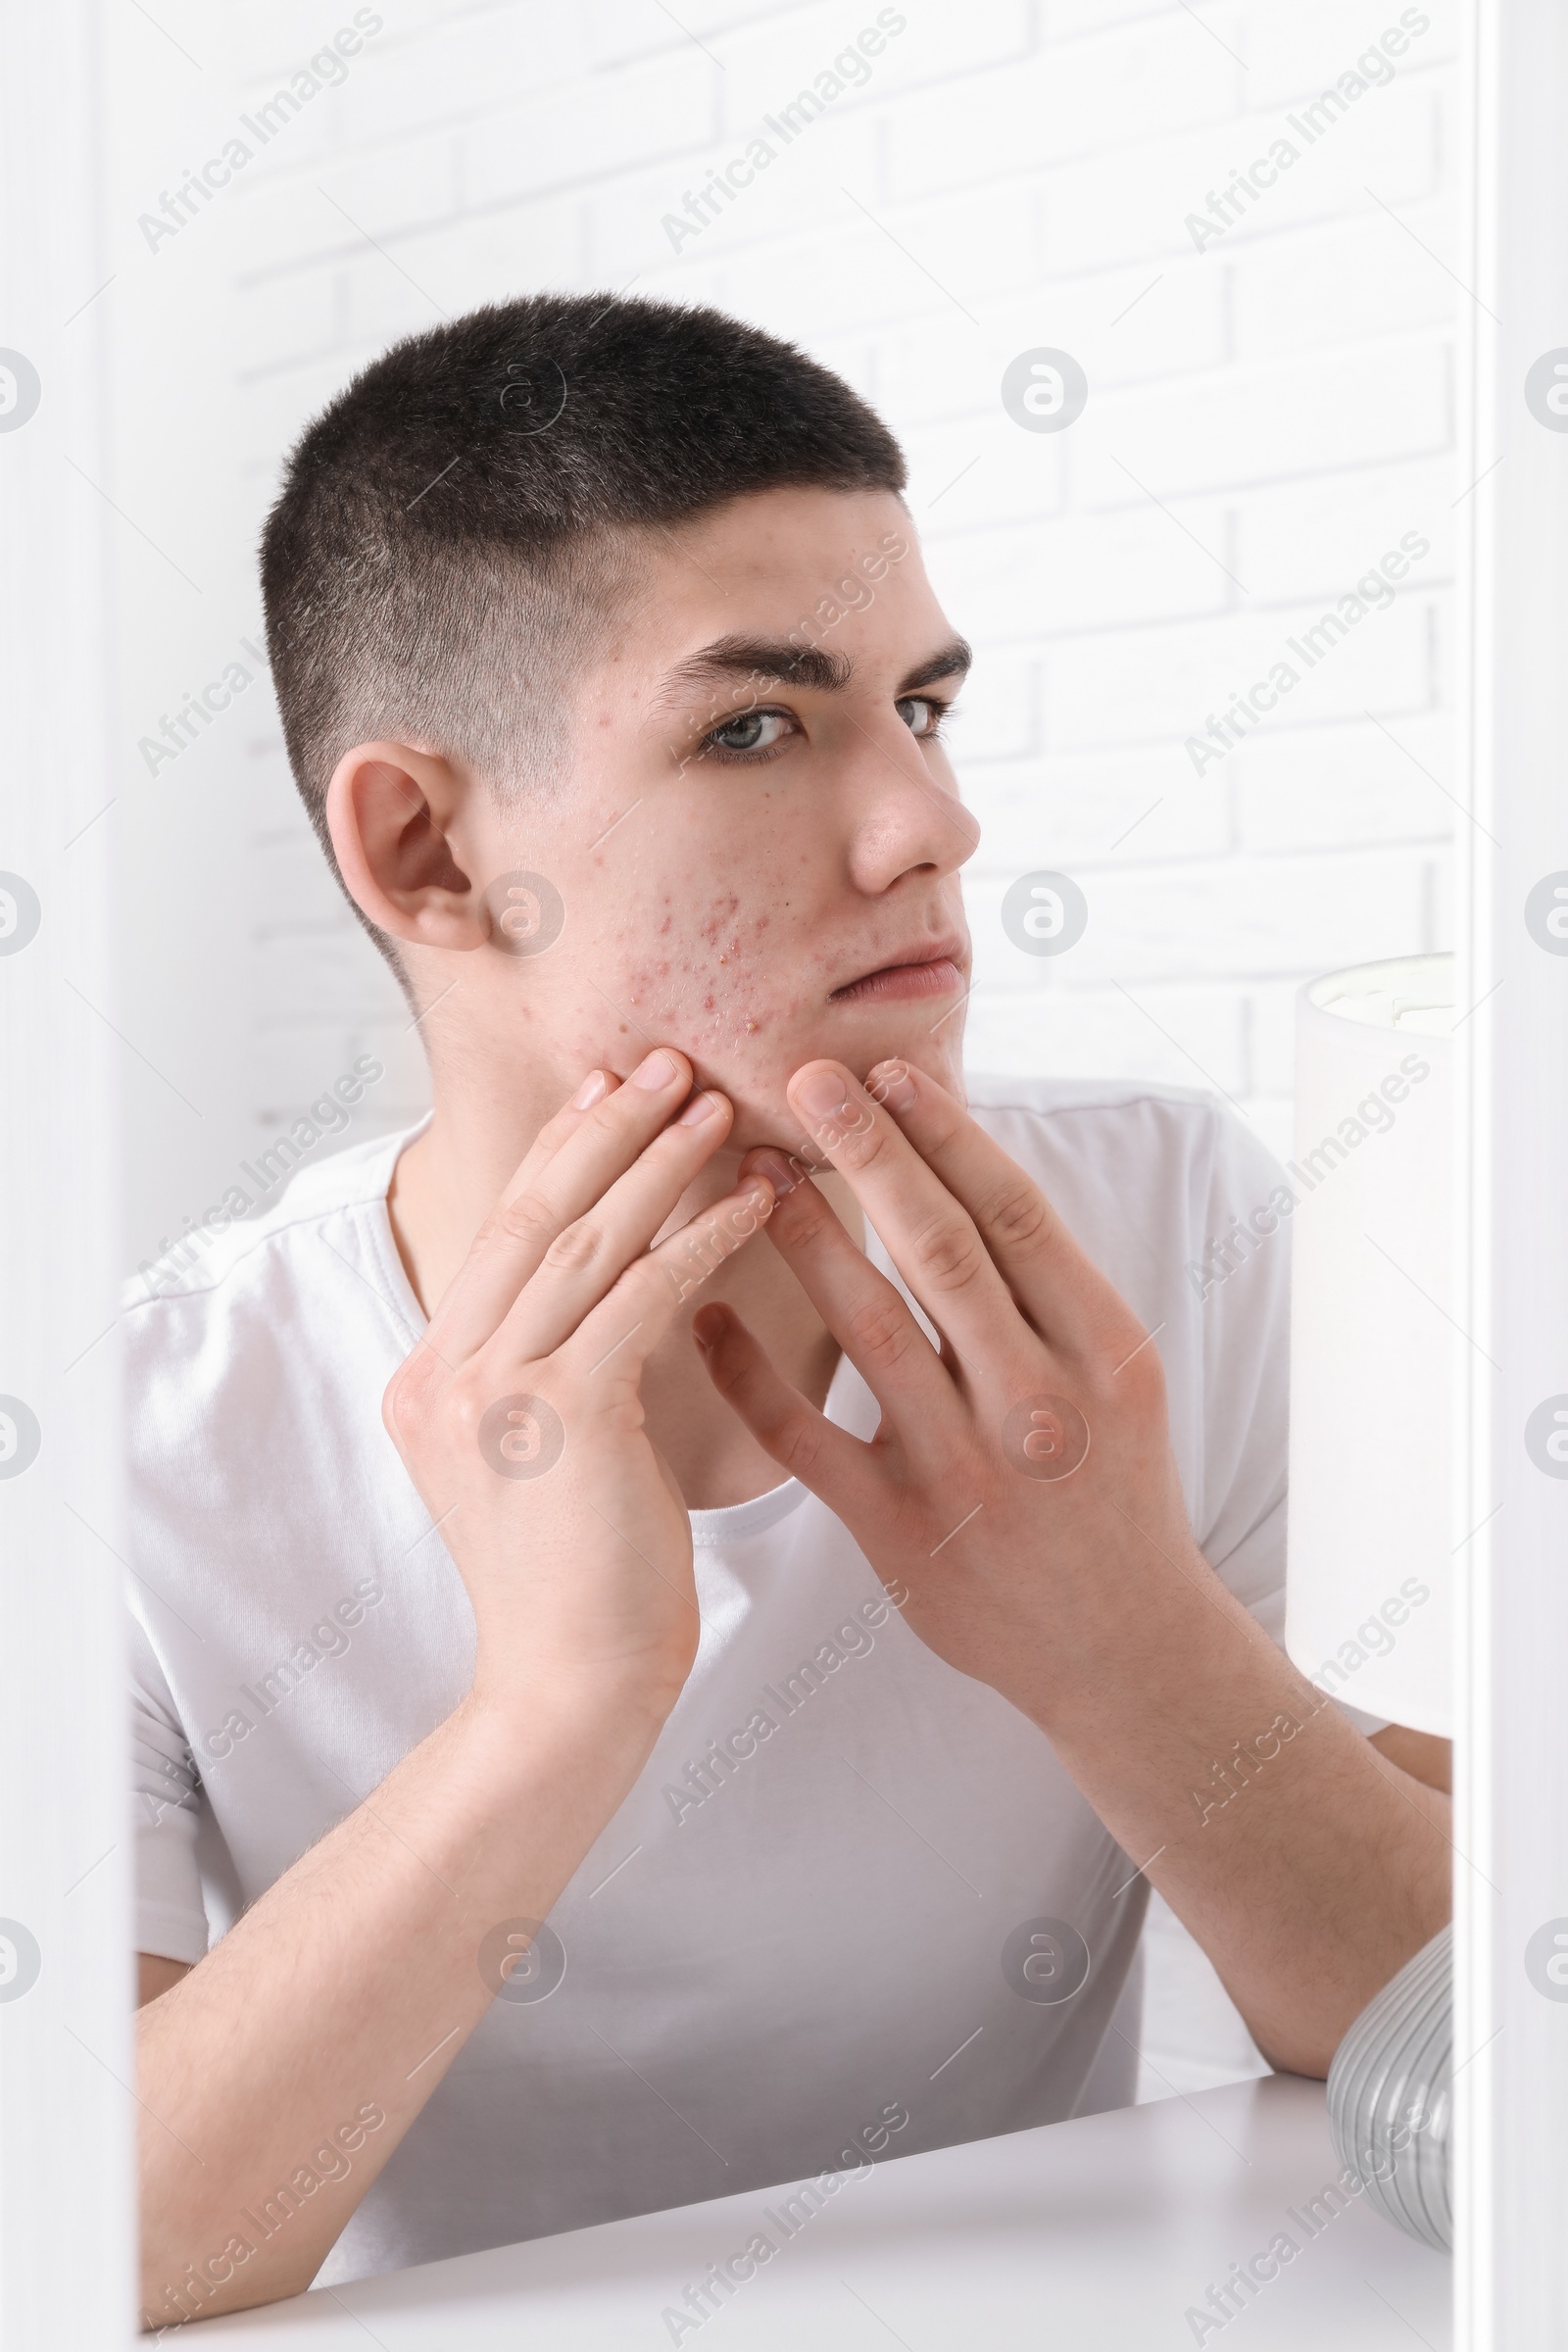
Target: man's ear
388, 809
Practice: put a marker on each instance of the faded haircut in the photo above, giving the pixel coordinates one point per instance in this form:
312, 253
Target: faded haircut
457, 533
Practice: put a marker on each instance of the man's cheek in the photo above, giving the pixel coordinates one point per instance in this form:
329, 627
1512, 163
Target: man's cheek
719, 995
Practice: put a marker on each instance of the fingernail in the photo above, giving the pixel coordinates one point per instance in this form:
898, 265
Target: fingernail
654, 1073
591, 1089
698, 1108
821, 1094
892, 1086
777, 1169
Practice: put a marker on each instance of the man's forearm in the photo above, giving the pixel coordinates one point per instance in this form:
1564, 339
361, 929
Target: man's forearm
1023, 1488
1307, 1866
315, 2030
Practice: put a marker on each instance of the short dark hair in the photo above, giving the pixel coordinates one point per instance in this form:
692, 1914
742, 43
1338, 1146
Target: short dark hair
451, 539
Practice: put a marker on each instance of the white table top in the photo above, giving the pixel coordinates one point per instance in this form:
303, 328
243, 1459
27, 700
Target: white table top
1096, 2235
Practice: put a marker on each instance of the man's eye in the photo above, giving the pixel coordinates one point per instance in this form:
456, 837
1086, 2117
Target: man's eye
750, 731
921, 714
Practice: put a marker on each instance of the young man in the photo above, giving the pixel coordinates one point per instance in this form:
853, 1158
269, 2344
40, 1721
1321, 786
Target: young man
596, 1822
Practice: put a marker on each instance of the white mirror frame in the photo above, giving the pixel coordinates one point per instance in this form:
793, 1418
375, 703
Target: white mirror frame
67, 2266
1511, 2045
66, 2273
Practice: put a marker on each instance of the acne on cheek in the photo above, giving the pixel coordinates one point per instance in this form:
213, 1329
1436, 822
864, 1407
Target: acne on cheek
714, 999
702, 1010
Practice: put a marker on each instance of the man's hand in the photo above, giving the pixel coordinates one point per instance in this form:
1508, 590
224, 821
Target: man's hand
350, 1986
1022, 1487
518, 1415
1022, 1480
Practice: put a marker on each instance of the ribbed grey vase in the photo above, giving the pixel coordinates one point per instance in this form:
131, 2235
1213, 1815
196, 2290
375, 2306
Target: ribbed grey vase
1391, 2101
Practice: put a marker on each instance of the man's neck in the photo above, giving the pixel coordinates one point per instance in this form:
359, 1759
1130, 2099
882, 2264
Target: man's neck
447, 1182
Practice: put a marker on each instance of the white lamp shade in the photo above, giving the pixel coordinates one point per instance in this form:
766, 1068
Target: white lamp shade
1370, 1540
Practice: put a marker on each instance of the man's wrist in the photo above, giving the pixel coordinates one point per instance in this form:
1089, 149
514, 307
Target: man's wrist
1112, 1639
520, 1731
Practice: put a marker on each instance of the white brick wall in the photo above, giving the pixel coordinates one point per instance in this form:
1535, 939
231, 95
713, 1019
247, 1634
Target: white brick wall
1266, 416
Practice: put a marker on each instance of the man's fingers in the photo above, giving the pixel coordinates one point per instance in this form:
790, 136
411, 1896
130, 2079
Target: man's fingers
612, 1342
861, 1308
590, 1149
589, 1255
1062, 1291
595, 1086
930, 1236
790, 1431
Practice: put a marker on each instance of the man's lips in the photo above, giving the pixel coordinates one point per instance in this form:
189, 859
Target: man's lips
933, 972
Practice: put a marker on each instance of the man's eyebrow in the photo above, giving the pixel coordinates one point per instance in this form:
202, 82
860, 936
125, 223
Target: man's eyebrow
759, 658
954, 661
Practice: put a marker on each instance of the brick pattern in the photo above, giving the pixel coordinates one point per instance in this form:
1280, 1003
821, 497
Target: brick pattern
1268, 414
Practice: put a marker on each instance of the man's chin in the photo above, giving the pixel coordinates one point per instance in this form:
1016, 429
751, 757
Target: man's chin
939, 1057
764, 1115
773, 1123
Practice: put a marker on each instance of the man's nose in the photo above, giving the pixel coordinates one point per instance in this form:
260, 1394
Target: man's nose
905, 818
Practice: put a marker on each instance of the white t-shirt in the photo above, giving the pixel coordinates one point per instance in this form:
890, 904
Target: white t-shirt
839, 1944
